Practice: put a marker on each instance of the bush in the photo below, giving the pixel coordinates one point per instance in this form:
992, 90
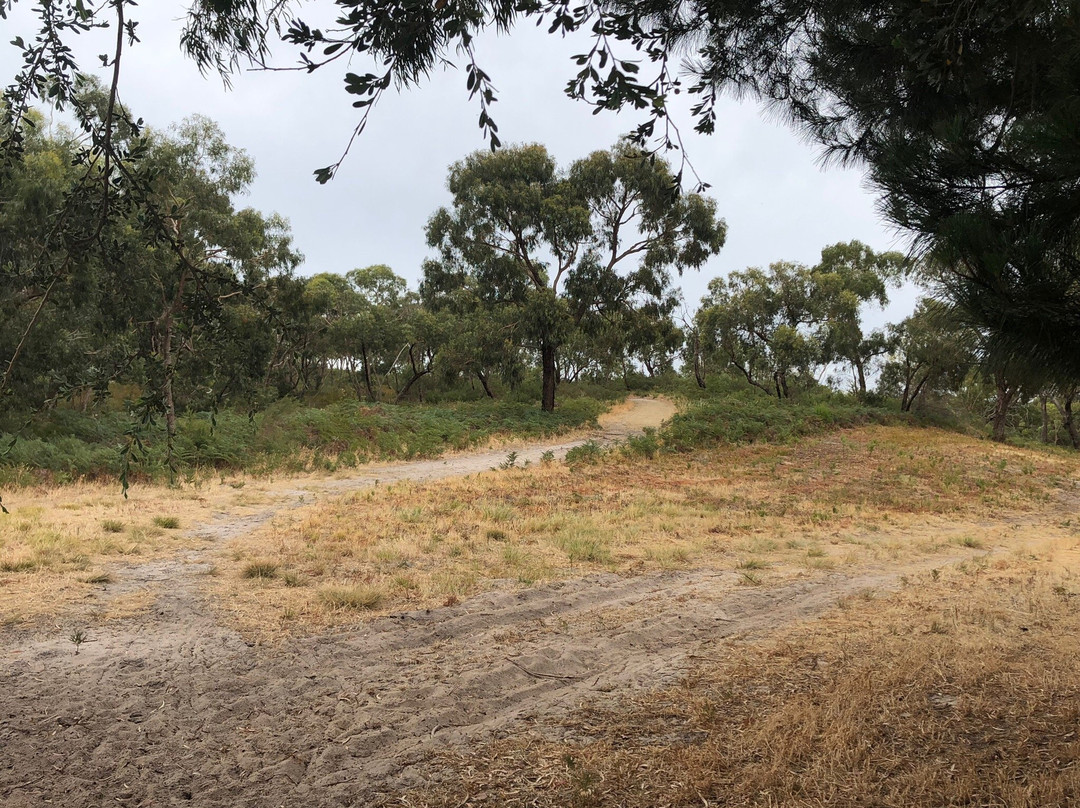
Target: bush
645, 445
751, 417
588, 452
288, 436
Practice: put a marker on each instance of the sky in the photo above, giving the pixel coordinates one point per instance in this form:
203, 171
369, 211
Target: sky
779, 204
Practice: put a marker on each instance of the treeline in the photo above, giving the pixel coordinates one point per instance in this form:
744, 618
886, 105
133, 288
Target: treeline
787, 329
165, 293
165, 287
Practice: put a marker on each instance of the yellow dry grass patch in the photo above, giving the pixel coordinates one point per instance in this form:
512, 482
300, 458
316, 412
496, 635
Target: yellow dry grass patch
638, 414
961, 689
60, 544
847, 498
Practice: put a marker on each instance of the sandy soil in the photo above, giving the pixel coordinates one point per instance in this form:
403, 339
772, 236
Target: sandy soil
172, 707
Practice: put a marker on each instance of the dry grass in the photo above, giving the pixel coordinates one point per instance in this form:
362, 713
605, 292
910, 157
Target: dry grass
871, 494
962, 689
60, 544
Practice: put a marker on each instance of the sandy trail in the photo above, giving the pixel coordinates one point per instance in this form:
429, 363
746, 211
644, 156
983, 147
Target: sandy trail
174, 708
622, 421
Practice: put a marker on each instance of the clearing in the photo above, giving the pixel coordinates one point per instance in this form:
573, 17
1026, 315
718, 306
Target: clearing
877, 611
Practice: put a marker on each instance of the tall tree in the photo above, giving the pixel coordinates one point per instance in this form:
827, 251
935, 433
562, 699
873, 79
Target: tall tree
180, 287
849, 277
771, 325
175, 299
930, 351
556, 246
762, 325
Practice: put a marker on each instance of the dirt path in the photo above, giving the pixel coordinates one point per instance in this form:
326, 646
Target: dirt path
175, 708
188, 714
624, 420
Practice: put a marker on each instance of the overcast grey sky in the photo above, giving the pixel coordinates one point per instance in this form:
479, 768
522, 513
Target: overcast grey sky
777, 202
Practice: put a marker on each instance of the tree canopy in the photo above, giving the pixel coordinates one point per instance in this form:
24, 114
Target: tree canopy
793, 320
963, 114
549, 251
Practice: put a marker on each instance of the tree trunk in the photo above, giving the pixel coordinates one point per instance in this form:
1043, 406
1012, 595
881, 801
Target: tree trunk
355, 377
1045, 432
547, 362
699, 362
367, 373
1069, 421
1005, 396
417, 376
168, 361
418, 373
906, 398
861, 376
484, 383
780, 380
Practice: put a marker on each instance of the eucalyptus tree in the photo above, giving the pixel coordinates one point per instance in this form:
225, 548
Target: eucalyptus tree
643, 338
36, 277
793, 320
849, 277
480, 340
89, 296
962, 113
50, 345
763, 325
180, 289
929, 351
554, 246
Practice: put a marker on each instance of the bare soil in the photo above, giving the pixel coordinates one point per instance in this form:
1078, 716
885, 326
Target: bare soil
173, 706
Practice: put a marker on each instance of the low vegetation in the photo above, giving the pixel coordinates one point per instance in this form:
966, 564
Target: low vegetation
870, 494
63, 444
748, 417
960, 689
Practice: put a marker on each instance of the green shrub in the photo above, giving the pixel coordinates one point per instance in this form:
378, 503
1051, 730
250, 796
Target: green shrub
645, 445
260, 570
359, 598
588, 452
752, 417
286, 437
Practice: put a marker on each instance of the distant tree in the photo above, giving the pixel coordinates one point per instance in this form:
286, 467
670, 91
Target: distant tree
849, 277
374, 330
929, 351
762, 325
771, 325
554, 247
362, 318
479, 340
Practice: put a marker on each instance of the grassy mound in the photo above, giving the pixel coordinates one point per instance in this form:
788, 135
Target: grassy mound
64, 444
